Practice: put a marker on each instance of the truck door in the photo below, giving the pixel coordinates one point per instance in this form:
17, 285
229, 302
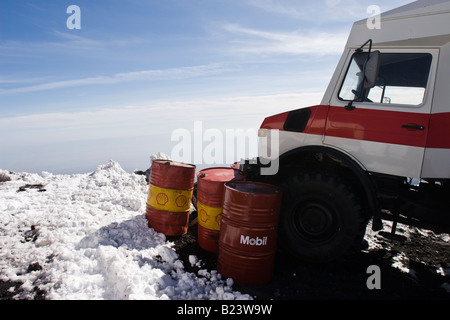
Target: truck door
386, 127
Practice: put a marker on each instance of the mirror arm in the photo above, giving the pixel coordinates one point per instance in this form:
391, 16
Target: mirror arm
360, 49
350, 106
362, 92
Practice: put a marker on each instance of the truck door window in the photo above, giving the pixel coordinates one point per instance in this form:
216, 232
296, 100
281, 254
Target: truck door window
402, 79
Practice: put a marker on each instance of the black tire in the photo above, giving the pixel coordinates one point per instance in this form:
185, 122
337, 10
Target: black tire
321, 218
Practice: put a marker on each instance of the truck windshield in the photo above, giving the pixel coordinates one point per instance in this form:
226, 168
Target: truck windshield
402, 79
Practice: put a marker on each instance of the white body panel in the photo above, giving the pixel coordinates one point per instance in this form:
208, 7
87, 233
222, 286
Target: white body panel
372, 156
384, 158
437, 163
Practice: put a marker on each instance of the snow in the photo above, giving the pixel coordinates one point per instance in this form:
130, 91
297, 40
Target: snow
400, 260
87, 237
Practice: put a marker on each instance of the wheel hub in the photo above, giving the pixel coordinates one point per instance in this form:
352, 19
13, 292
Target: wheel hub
315, 221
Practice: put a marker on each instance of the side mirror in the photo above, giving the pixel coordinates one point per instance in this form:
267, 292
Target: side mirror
371, 69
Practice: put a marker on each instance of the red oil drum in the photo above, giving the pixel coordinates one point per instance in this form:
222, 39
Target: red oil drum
248, 235
169, 196
210, 189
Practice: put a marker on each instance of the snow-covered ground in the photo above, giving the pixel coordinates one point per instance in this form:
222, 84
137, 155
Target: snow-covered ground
86, 237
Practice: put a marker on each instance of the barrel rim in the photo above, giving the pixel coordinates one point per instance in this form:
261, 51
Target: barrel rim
218, 168
177, 163
274, 189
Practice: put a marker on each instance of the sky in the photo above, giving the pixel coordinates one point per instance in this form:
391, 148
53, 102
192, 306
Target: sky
137, 71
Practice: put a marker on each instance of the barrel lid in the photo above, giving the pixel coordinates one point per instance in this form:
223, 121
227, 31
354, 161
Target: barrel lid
173, 163
221, 174
253, 187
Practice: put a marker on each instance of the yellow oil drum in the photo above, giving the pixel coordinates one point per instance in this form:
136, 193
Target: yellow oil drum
169, 196
210, 189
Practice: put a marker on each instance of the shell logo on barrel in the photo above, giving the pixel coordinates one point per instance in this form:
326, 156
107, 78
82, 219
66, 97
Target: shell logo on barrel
204, 217
181, 201
162, 199
218, 219
169, 199
209, 217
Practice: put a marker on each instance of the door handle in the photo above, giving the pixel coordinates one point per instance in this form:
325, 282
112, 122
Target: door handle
413, 127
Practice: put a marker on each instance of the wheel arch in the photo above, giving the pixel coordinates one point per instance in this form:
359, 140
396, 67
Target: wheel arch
325, 158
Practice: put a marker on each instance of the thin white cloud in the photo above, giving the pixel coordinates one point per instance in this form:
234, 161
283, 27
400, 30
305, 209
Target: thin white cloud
67, 43
155, 117
70, 142
77, 40
143, 75
277, 7
317, 11
312, 42
68, 39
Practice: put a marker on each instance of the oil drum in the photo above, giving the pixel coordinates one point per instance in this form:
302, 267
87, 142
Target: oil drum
169, 196
210, 189
248, 234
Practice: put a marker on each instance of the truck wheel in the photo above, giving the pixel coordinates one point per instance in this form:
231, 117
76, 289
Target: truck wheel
321, 218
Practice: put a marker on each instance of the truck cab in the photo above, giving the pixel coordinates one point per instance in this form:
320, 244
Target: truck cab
378, 145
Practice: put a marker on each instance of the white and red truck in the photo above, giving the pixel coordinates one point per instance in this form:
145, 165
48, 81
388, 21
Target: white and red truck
378, 145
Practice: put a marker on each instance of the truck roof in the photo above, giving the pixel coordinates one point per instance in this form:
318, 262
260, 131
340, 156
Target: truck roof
417, 24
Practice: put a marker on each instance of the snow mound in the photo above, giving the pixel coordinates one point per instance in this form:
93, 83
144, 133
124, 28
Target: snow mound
86, 237
159, 156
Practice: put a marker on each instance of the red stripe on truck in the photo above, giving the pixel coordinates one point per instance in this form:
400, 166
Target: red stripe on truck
378, 126
439, 131
383, 126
